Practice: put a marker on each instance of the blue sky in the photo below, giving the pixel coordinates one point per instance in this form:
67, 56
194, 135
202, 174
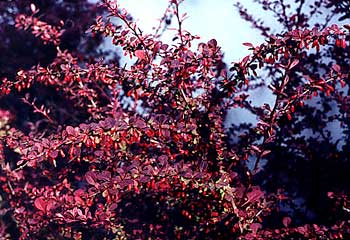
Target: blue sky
209, 19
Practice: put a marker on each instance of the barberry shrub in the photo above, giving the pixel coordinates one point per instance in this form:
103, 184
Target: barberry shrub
142, 152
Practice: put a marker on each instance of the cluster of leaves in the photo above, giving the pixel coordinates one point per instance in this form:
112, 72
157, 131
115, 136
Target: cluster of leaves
142, 152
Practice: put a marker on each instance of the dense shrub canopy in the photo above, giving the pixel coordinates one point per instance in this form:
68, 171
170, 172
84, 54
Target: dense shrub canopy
90, 149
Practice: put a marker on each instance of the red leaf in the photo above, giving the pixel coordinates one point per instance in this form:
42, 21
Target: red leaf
90, 178
156, 48
140, 54
164, 47
294, 63
98, 153
70, 130
54, 154
256, 148
336, 67
330, 195
255, 227
162, 159
245, 60
287, 221
140, 123
248, 44
266, 152
104, 176
40, 204
214, 214
50, 205
212, 43
32, 7
255, 195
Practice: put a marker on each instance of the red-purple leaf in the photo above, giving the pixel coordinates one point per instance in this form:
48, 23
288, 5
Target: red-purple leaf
294, 63
162, 159
212, 43
40, 204
254, 195
70, 130
104, 176
141, 54
255, 227
98, 153
140, 123
248, 44
256, 148
54, 154
90, 178
32, 7
286, 221
245, 60
330, 195
266, 152
50, 205
336, 68
164, 47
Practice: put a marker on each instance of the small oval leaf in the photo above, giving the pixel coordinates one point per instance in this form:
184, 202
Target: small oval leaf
287, 221
40, 204
140, 54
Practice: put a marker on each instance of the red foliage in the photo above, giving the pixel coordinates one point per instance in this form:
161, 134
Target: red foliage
143, 154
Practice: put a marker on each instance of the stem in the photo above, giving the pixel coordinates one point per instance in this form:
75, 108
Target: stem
38, 110
272, 118
179, 22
